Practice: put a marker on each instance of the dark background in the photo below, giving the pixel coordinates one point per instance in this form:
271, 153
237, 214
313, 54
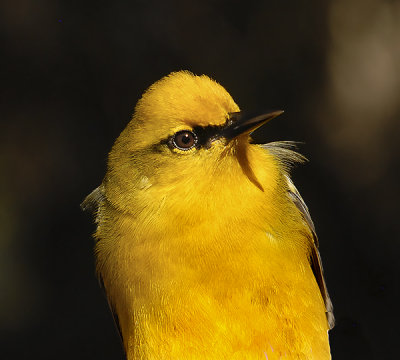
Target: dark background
71, 73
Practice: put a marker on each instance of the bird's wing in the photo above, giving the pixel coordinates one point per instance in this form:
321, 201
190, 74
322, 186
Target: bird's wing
92, 204
315, 258
113, 311
93, 200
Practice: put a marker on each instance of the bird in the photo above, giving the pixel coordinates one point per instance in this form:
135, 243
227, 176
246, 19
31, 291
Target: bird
203, 244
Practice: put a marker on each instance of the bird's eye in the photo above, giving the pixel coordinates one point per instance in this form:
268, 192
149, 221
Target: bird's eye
184, 140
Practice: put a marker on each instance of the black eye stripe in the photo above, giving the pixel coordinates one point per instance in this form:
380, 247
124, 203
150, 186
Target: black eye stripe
204, 135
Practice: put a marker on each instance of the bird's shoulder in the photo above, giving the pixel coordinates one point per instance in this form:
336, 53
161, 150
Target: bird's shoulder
92, 202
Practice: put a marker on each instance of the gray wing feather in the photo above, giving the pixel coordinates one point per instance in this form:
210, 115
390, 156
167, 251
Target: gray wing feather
315, 258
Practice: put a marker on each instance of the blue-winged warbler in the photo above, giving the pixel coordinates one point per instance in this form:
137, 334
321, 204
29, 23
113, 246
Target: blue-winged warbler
203, 244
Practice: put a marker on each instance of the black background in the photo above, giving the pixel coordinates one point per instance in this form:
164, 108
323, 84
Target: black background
71, 73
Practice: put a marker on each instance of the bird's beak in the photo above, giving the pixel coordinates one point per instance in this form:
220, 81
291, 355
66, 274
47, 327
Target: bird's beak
239, 123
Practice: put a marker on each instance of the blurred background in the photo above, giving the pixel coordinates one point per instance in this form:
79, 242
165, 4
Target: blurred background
71, 73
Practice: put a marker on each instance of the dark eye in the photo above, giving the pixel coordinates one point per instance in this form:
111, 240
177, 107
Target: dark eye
184, 140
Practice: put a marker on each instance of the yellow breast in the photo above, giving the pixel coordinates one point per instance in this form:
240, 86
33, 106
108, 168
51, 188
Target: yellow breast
226, 278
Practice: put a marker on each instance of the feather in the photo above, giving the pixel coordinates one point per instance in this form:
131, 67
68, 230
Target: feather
284, 152
315, 258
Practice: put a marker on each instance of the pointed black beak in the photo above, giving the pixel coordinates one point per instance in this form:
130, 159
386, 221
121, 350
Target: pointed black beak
239, 123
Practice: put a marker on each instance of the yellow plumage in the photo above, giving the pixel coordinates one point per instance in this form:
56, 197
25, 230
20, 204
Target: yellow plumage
206, 252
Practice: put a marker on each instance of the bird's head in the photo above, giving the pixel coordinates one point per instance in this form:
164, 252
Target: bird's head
186, 140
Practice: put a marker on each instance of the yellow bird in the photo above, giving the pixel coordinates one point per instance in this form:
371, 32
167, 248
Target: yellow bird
203, 244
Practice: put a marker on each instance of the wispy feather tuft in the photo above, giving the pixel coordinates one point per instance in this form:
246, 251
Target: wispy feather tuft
285, 152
